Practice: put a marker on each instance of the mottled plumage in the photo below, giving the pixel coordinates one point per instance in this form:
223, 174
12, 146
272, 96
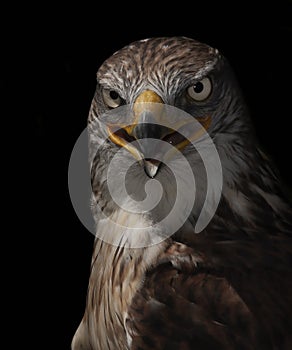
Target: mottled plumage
227, 287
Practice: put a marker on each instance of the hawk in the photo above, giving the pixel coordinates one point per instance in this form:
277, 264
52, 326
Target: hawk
228, 286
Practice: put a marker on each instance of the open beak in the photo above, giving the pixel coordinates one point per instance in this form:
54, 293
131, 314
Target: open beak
148, 123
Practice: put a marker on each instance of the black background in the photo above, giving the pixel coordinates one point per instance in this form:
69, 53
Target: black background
51, 59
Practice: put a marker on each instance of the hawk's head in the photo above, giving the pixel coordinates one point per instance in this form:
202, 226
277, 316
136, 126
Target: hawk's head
179, 72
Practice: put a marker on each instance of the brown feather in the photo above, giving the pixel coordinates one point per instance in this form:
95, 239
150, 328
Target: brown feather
228, 287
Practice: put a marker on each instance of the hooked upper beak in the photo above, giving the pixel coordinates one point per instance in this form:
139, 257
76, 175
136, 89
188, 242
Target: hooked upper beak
147, 124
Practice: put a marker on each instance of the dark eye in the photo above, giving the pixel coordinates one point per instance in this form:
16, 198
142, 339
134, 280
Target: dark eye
201, 90
111, 98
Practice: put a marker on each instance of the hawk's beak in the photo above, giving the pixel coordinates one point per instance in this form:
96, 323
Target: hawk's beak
148, 123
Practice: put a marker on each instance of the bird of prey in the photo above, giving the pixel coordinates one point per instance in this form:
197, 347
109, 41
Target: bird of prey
228, 286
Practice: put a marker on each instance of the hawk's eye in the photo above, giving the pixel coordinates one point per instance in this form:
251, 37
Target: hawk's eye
111, 98
201, 90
